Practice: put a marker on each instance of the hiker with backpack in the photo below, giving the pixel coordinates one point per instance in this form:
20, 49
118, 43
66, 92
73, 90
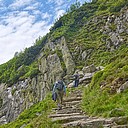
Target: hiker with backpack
76, 79
59, 90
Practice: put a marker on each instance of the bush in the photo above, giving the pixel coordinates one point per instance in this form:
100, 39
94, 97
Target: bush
118, 5
102, 7
96, 78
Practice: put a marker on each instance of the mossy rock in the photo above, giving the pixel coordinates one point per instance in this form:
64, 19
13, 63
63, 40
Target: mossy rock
117, 112
121, 120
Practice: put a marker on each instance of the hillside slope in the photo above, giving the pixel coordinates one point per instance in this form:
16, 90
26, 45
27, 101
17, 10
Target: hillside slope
94, 34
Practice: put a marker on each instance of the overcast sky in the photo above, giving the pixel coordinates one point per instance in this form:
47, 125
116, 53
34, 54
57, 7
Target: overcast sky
23, 21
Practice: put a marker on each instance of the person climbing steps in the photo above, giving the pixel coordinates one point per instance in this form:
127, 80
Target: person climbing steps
59, 90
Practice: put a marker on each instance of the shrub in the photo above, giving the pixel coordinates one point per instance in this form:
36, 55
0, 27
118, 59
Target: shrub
96, 78
117, 6
102, 6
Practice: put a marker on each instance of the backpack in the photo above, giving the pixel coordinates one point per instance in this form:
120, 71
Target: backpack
59, 85
54, 96
76, 76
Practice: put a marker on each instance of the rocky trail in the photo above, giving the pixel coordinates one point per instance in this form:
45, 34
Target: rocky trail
71, 115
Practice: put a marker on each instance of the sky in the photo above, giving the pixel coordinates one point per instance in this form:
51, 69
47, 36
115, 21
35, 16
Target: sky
23, 21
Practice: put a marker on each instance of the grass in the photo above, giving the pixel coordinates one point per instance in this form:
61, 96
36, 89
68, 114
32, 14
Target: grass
99, 103
35, 117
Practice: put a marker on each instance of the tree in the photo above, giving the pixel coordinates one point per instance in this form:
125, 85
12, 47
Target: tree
75, 6
16, 54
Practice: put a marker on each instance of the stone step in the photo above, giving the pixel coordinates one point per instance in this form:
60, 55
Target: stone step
63, 108
88, 123
73, 123
73, 106
72, 99
72, 103
69, 110
67, 119
75, 94
116, 122
108, 126
120, 126
3, 120
63, 115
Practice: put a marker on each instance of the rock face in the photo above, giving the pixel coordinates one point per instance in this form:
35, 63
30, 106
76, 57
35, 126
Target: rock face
115, 27
123, 87
22, 95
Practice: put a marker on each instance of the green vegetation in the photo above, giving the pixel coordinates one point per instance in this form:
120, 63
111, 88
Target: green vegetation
105, 105
108, 104
110, 5
59, 53
81, 32
35, 116
82, 26
78, 29
22, 65
115, 68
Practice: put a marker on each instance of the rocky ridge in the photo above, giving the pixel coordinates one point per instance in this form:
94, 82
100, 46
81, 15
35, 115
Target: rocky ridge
25, 93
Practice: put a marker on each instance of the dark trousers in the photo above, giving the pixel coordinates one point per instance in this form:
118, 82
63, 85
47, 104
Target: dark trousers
76, 83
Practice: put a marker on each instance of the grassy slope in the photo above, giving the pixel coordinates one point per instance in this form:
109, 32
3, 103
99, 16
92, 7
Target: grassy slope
104, 100
88, 36
35, 116
101, 103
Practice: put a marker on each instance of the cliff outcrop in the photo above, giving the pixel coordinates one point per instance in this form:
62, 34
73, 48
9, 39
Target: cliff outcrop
24, 94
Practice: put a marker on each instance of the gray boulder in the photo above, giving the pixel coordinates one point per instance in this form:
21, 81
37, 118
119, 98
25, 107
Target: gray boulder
123, 87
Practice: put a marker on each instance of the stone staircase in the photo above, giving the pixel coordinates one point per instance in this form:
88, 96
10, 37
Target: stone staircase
71, 116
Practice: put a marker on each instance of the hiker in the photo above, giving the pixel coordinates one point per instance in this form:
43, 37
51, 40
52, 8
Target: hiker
59, 90
76, 79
